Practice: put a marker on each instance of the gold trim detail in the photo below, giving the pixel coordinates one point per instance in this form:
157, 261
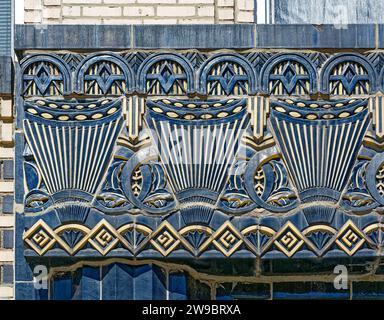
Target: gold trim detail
165, 239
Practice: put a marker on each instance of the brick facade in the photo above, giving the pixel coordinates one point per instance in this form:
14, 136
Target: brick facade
139, 11
6, 197
7, 113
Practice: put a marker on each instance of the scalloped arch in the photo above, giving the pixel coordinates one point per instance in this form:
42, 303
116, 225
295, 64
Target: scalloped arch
58, 73
349, 85
125, 80
166, 81
289, 84
220, 58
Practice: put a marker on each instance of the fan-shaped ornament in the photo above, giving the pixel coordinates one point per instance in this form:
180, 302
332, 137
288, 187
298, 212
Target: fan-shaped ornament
197, 143
72, 143
319, 142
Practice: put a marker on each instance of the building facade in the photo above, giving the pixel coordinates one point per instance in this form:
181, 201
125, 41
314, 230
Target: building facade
192, 149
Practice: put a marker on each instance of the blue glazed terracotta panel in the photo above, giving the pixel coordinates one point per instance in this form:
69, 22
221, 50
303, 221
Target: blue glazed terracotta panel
194, 155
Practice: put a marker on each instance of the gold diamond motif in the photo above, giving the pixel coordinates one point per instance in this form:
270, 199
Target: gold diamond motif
165, 239
103, 237
289, 239
227, 239
40, 237
349, 239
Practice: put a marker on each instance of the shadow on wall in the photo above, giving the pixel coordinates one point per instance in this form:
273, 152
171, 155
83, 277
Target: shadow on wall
328, 11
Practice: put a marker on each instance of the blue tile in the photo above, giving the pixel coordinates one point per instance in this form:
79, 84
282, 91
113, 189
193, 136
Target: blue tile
7, 204
19, 161
73, 37
177, 286
119, 37
194, 36
118, 282
23, 271
6, 74
7, 241
62, 287
380, 36
312, 36
366, 290
8, 169
7, 270
308, 290
27, 291
123, 282
90, 283
149, 283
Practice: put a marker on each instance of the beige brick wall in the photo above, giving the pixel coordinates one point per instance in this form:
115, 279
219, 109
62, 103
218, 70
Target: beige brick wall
139, 11
6, 123
245, 10
7, 219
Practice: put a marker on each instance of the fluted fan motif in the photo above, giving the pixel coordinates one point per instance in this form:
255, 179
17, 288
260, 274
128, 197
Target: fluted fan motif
73, 155
198, 144
320, 153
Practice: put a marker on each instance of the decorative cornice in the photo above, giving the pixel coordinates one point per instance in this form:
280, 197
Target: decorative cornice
175, 73
235, 36
171, 153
